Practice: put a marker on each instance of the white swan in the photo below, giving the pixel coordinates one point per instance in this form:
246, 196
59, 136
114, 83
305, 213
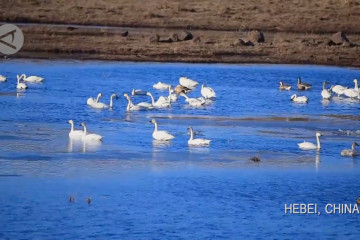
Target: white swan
160, 135
297, 99
20, 85
90, 137
309, 145
131, 106
350, 152
100, 105
198, 141
187, 82
138, 92
338, 89
194, 102
326, 94
161, 86
32, 78
353, 92
162, 102
2, 78
75, 134
91, 100
173, 97
207, 92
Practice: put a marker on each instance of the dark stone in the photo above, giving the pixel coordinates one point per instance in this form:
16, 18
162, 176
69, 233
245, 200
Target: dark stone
124, 34
185, 35
338, 39
255, 37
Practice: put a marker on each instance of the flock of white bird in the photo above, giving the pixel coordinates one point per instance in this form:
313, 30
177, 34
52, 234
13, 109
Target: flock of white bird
185, 85
208, 94
326, 94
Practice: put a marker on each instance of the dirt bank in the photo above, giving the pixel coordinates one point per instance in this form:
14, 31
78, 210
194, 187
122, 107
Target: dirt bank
295, 31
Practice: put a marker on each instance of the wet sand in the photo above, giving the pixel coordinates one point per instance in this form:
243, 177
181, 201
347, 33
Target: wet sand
296, 32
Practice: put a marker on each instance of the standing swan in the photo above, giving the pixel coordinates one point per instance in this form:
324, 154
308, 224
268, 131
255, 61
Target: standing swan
90, 137
350, 152
198, 141
311, 146
207, 92
75, 134
32, 78
160, 135
20, 85
326, 94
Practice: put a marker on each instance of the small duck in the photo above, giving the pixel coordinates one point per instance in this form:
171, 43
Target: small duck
302, 85
283, 86
161, 86
350, 152
297, 99
181, 89
197, 141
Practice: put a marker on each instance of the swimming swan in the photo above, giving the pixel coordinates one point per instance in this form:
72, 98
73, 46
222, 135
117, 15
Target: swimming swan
162, 102
353, 92
207, 92
32, 78
194, 102
350, 152
326, 94
297, 99
138, 92
100, 105
283, 86
303, 86
75, 134
309, 145
187, 82
161, 86
173, 96
338, 89
20, 85
160, 135
2, 78
198, 141
131, 106
90, 137
91, 100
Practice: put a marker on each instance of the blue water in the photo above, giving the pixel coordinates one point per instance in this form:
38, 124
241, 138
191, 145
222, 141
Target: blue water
145, 190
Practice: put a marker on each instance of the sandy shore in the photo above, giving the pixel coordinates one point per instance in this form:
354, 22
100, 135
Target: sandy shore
295, 31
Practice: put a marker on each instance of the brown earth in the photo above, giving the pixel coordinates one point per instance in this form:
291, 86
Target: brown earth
296, 31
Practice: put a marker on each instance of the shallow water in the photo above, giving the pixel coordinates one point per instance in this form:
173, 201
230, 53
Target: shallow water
144, 189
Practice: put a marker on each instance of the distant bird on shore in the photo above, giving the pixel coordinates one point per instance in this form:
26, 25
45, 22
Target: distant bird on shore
301, 99
283, 86
311, 146
350, 152
124, 34
302, 85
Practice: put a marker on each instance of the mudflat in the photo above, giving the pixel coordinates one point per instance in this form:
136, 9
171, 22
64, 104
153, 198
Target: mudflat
293, 31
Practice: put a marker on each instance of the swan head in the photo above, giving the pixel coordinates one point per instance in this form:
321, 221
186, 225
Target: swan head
281, 83
318, 134
70, 121
189, 128
133, 92
355, 80
355, 144
299, 80
126, 96
99, 95
148, 94
326, 82
83, 124
114, 96
293, 96
153, 120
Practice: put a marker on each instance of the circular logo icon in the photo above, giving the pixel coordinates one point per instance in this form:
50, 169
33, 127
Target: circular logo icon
11, 39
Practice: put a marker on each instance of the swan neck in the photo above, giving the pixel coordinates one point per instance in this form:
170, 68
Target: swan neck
72, 127
85, 130
97, 98
324, 84
356, 86
318, 142
152, 99
191, 134
128, 105
111, 101
156, 126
